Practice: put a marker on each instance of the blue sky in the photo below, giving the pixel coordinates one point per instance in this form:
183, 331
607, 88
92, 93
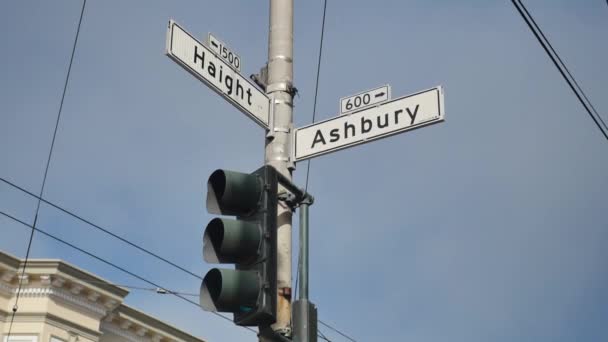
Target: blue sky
490, 226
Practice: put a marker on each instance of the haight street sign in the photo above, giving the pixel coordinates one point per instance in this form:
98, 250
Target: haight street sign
393, 117
201, 62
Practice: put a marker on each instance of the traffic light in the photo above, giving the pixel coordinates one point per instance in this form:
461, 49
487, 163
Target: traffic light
250, 242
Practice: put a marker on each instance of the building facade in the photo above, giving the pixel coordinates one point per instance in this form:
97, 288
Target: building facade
59, 302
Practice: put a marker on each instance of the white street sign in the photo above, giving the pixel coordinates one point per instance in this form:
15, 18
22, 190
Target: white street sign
201, 62
365, 99
387, 119
225, 52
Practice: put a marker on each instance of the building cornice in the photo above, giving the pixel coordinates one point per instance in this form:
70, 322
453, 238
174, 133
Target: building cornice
6, 289
10, 260
57, 293
124, 333
55, 267
64, 284
59, 323
140, 318
62, 294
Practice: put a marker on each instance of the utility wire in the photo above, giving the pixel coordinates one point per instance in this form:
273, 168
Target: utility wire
314, 108
337, 331
322, 335
314, 113
295, 292
158, 290
98, 227
563, 65
563, 70
109, 263
46, 170
107, 231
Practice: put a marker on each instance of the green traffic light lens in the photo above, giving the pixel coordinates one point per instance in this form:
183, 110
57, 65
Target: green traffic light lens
228, 241
233, 193
227, 290
213, 281
217, 180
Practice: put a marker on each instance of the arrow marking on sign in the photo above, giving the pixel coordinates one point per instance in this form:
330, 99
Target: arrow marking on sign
366, 99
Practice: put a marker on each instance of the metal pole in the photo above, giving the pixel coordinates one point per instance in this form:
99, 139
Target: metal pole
303, 251
304, 311
279, 87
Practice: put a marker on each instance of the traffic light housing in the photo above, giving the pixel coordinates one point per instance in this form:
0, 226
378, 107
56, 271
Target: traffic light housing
250, 242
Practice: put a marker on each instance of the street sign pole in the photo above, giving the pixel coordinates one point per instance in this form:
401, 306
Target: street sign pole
279, 88
364, 117
304, 311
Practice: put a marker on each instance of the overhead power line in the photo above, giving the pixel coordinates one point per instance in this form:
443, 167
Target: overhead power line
337, 331
46, 170
561, 67
314, 107
111, 264
158, 290
40, 199
314, 113
145, 280
322, 335
108, 232
104, 230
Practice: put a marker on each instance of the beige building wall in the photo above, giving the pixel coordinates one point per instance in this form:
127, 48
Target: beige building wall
59, 302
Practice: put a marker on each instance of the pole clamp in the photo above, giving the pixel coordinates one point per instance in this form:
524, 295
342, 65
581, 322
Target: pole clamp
278, 86
280, 58
282, 86
285, 102
289, 199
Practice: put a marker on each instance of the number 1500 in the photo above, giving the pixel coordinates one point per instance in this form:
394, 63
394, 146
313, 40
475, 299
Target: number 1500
230, 57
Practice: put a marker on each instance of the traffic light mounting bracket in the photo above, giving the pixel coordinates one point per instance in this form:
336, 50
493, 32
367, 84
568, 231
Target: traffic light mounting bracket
295, 196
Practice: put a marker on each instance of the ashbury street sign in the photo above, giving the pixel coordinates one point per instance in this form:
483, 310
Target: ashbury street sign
393, 117
201, 62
